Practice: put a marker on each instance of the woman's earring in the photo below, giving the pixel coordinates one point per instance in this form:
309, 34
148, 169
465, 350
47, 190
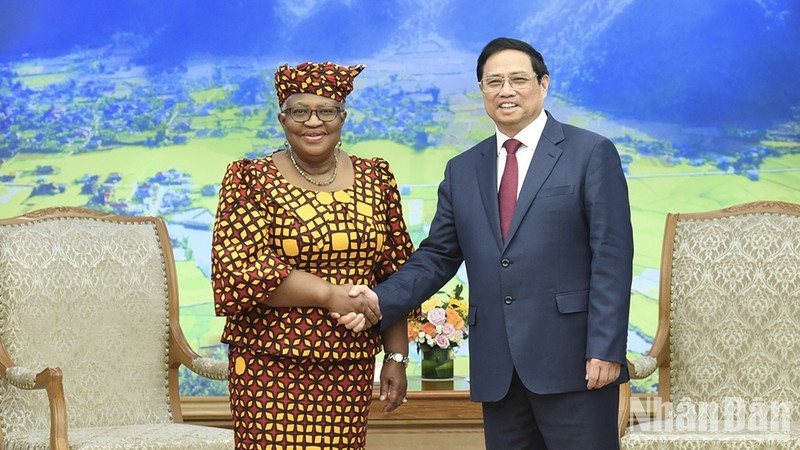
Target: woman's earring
286, 145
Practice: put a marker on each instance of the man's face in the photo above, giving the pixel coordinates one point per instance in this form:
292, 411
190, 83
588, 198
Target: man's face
513, 109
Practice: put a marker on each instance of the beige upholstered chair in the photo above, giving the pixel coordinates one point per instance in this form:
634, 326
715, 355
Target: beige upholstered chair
90, 343
728, 340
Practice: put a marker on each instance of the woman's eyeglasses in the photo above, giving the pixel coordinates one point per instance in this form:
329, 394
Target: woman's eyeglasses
302, 114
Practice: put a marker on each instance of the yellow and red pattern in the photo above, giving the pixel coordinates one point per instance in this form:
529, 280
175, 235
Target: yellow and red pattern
323, 404
266, 227
326, 79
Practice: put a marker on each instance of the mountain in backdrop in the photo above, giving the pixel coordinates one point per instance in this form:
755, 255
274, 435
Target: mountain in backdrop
726, 62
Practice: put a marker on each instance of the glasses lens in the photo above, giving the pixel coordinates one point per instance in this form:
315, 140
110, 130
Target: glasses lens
518, 82
300, 114
327, 114
492, 84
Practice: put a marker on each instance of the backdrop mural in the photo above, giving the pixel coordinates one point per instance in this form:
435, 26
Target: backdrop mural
136, 107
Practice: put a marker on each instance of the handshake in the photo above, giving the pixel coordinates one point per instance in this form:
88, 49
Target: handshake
354, 306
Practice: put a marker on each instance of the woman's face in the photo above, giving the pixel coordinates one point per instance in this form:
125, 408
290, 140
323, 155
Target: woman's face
312, 139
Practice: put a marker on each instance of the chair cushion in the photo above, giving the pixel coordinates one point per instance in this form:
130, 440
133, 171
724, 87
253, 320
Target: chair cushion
140, 437
663, 434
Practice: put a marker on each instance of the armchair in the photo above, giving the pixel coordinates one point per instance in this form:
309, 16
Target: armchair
90, 342
728, 341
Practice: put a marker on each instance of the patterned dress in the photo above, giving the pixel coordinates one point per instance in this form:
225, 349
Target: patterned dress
297, 379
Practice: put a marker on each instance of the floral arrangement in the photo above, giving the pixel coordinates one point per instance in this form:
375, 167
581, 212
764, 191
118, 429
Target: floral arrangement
441, 321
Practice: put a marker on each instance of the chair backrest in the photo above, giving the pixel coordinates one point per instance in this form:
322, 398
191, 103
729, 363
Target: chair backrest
86, 292
732, 281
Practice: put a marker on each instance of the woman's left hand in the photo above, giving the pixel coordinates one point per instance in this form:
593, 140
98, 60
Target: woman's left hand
394, 385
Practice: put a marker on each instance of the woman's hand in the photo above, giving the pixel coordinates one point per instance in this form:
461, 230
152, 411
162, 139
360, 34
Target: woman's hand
358, 321
356, 312
394, 385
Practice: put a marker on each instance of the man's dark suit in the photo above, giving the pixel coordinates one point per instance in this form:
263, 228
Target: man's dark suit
558, 291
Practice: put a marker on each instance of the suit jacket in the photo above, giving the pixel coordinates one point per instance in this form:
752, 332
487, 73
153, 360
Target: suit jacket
557, 292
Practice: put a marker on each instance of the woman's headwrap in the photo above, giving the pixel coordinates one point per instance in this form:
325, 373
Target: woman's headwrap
326, 79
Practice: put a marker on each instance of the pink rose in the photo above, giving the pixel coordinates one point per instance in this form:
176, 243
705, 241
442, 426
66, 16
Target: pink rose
442, 341
448, 329
437, 316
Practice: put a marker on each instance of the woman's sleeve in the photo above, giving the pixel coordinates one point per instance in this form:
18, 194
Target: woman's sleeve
397, 247
244, 271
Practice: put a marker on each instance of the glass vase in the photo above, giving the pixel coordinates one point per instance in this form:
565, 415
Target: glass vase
437, 363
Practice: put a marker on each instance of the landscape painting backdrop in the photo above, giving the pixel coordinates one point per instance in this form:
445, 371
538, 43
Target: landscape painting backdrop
137, 107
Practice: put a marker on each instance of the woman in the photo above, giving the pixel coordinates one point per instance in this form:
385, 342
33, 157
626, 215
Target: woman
294, 231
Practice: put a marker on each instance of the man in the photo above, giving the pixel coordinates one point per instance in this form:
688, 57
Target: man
549, 278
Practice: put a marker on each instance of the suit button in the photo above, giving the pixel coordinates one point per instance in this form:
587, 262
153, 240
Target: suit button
505, 262
508, 300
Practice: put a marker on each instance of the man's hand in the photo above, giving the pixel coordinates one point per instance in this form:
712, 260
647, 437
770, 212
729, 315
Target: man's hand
394, 385
599, 373
354, 321
361, 310
361, 289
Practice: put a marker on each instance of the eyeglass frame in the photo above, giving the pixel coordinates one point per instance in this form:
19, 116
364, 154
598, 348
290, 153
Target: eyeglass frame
315, 111
529, 78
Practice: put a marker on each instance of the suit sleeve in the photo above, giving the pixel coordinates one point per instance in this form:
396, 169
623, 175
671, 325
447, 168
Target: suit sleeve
611, 240
244, 271
433, 264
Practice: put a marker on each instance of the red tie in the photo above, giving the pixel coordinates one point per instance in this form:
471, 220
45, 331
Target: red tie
508, 186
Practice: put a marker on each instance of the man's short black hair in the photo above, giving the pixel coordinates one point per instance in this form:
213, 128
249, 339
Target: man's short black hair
503, 43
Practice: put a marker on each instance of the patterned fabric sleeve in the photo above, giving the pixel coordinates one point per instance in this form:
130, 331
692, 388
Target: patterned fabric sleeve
397, 247
244, 271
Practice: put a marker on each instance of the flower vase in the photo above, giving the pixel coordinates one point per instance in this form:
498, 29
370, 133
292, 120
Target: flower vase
437, 363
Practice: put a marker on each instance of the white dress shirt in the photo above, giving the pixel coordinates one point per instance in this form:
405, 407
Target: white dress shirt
529, 136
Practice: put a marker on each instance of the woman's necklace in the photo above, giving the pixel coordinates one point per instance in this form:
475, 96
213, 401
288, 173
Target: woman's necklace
307, 176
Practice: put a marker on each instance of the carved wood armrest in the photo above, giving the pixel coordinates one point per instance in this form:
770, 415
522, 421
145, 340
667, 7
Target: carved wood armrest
182, 353
48, 379
658, 356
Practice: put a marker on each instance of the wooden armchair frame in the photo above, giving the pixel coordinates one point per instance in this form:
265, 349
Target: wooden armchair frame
180, 352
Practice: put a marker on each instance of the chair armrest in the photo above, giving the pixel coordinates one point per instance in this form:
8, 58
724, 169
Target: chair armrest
214, 369
642, 367
48, 379
22, 377
29, 379
658, 356
182, 353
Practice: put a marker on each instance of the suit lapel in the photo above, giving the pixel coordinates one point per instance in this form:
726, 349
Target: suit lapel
486, 172
544, 159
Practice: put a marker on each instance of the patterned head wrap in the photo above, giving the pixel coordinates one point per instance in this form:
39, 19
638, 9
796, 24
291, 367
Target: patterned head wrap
326, 79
